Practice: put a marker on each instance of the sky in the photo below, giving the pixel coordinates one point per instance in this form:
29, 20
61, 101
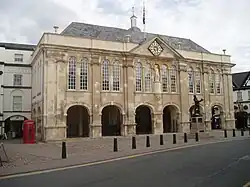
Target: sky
213, 24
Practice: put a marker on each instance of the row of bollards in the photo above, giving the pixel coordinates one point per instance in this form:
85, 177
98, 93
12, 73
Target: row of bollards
242, 132
115, 145
115, 148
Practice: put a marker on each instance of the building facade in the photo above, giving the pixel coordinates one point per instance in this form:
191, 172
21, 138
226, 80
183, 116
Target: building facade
100, 81
241, 95
15, 80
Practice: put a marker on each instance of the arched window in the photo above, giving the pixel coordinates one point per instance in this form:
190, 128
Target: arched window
116, 76
198, 81
138, 77
218, 82
211, 81
84, 74
147, 78
164, 78
72, 73
190, 80
173, 77
105, 75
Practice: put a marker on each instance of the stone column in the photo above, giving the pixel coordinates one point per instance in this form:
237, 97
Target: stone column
158, 120
228, 97
206, 101
53, 128
184, 101
129, 97
95, 124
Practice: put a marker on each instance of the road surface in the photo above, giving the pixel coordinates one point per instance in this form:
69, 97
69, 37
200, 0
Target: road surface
215, 165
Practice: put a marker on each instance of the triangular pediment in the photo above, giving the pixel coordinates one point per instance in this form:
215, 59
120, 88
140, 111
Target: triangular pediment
247, 82
156, 47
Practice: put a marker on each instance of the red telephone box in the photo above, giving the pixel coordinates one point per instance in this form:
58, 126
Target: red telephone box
29, 132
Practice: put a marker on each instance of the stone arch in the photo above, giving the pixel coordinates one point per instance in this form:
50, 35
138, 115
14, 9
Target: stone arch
77, 103
144, 119
13, 125
151, 107
170, 118
191, 110
112, 120
120, 106
78, 120
172, 104
217, 116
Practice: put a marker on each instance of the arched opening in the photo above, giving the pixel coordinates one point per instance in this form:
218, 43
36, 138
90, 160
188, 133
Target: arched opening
192, 112
34, 114
217, 117
143, 120
111, 121
13, 126
77, 121
170, 119
39, 124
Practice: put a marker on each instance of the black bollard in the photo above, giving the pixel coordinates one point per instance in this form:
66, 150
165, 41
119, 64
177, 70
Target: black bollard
161, 139
115, 145
147, 141
249, 131
225, 133
234, 133
133, 143
174, 138
64, 155
242, 132
197, 136
185, 138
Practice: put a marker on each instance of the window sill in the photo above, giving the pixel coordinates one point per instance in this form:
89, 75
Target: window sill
107, 91
77, 91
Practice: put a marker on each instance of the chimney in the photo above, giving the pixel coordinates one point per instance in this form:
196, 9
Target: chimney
224, 51
127, 38
133, 18
55, 28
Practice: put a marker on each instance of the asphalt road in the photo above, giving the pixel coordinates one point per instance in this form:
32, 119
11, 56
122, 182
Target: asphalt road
216, 165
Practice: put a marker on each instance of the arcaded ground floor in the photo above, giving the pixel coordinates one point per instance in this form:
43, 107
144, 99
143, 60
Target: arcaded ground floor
79, 122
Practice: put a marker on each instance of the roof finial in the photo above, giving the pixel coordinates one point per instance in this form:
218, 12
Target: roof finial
133, 11
133, 18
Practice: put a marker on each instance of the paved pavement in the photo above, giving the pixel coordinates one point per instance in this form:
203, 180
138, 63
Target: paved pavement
214, 165
26, 158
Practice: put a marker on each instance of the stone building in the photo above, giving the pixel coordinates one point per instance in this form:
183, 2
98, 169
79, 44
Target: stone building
101, 81
15, 81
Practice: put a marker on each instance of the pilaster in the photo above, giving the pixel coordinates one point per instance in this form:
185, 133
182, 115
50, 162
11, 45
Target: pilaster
129, 104
229, 105
184, 102
95, 124
206, 99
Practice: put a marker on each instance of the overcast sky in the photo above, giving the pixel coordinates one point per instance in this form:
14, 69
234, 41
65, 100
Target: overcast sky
213, 24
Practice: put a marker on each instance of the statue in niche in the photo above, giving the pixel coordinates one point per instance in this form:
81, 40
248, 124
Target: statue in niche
157, 73
197, 111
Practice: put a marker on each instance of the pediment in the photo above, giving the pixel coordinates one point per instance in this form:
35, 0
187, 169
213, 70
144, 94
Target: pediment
156, 47
247, 82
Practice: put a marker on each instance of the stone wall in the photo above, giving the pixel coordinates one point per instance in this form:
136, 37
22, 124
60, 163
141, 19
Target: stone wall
57, 99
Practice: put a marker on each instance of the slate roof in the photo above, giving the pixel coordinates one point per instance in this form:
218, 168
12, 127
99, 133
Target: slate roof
16, 46
240, 78
136, 36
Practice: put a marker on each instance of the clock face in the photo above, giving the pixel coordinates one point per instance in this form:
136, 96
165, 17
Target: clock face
155, 48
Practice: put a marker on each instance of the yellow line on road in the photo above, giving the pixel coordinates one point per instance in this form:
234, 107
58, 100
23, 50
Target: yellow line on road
110, 160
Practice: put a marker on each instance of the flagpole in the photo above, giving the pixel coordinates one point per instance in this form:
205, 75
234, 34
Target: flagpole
144, 20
